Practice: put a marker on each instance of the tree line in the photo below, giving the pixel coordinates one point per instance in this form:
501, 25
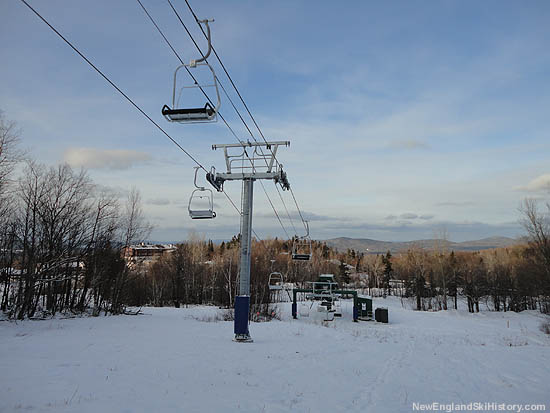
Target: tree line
60, 237
515, 278
199, 272
62, 242
63, 249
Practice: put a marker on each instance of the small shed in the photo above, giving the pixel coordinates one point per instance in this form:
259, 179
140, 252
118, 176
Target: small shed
364, 307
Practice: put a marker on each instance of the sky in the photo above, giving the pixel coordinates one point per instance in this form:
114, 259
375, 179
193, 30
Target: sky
407, 119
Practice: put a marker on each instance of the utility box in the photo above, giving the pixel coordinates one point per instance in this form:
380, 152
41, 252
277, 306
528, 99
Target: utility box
381, 315
364, 307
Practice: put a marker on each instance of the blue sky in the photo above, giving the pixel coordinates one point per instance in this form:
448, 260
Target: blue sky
405, 118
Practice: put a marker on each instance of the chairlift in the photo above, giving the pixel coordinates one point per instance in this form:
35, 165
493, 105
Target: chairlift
207, 113
199, 197
329, 315
305, 308
301, 247
337, 305
327, 306
275, 281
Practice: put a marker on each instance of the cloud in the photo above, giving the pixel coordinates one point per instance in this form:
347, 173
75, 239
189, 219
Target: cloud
458, 203
116, 191
407, 216
540, 183
158, 201
409, 144
200, 204
308, 216
104, 158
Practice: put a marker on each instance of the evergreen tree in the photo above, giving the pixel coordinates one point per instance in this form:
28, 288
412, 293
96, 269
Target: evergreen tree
344, 273
388, 272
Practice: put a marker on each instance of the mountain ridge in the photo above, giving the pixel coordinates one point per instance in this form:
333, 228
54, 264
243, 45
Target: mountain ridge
372, 246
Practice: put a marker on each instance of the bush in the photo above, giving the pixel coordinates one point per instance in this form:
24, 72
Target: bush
222, 315
264, 312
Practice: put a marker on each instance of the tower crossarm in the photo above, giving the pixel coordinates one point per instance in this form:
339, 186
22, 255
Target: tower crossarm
250, 160
252, 157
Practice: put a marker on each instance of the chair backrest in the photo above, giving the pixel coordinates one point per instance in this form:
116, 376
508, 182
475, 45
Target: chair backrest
206, 113
275, 281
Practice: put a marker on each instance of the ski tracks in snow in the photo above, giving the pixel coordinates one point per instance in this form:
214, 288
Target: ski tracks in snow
381, 382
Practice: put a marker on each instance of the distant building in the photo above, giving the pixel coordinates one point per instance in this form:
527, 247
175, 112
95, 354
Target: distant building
398, 284
145, 254
362, 278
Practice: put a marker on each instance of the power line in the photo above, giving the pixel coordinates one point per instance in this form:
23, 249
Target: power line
204, 93
226, 72
112, 84
286, 209
241, 98
123, 94
200, 51
186, 68
274, 210
129, 99
160, 31
225, 92
298, 208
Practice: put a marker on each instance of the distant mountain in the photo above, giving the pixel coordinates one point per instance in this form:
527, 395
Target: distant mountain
372, 246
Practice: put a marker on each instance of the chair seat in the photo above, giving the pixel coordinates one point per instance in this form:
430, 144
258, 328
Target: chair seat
189, 114
202, 214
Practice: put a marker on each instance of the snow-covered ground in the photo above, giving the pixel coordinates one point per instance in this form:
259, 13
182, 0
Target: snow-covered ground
176, 360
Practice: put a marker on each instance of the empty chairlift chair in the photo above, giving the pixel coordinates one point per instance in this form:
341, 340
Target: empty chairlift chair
201, 202
194, 114
275, 281
199, 196
302, 248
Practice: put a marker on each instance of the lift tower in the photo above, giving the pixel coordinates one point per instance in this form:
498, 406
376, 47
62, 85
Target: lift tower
247, 161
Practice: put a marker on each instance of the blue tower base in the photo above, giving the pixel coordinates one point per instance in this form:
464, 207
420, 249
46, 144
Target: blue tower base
242, 306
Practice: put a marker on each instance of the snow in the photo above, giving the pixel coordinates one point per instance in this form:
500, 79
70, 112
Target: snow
174, 360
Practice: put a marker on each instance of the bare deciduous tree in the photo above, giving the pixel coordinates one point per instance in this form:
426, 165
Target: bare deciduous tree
537, 225
10, 154
135, 228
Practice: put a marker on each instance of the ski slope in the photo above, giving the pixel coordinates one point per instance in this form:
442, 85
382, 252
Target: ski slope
179, 360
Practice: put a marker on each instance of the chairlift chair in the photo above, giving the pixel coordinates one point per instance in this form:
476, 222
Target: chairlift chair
337, 306
199, 197
305, 308
329, 315
302, 248
275, 281
207, 113
296, 256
